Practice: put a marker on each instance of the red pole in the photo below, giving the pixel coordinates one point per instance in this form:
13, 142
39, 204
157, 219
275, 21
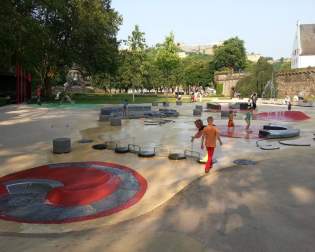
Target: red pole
21, 85
24, 86
17, 83
29, 86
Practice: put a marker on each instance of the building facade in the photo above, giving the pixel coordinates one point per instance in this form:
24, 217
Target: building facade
300, 82
207, 49
303, 54
229, 81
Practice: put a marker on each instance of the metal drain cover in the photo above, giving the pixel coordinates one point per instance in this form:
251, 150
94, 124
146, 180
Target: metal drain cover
84, 141
244, 162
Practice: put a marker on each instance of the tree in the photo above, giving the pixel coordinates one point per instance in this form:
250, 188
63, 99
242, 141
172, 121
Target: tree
47, 37
167, 60
132, 67
231, 54
197, 70
260, 74
93, 40
282, 65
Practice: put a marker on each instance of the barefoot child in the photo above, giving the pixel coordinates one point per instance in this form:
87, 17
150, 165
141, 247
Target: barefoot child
125, 108
209, 138
200, 127
231, 120
248, 117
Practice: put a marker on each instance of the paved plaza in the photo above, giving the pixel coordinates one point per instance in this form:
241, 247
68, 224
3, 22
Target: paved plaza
268, 205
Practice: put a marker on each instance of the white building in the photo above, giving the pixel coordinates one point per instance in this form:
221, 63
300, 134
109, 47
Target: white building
303, 54
207, 49
253, 57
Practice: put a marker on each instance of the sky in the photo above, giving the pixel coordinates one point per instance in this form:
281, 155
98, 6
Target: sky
267, 26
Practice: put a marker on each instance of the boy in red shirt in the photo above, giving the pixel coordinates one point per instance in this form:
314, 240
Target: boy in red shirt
210, 135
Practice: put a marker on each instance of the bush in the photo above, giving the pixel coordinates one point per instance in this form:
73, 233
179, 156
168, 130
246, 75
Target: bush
3, 101
219, 89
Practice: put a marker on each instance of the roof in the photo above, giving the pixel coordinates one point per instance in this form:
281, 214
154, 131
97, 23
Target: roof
307, 37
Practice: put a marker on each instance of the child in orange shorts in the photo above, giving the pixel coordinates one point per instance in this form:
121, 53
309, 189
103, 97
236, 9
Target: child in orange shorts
231, 120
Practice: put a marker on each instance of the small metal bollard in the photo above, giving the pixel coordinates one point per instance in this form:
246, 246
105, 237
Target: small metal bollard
61, 145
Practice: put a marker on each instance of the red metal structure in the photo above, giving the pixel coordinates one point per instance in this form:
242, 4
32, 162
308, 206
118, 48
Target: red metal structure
23, 85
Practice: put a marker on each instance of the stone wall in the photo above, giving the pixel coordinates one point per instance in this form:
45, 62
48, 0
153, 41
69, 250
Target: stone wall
229, 81
296, 82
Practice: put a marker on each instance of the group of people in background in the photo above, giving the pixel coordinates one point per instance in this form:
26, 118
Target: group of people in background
195, 96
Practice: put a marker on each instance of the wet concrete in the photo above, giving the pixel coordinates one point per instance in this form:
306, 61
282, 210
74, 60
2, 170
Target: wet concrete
27, 132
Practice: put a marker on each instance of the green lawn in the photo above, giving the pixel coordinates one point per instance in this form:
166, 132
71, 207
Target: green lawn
94, 100
119, 98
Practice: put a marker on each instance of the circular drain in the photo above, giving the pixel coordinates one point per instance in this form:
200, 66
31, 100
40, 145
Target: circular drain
121, 150
84, 141
244, 162
146, 154
51, 194
176, 156
99, 146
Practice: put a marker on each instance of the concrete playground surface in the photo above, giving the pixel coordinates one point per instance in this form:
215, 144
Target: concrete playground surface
269, 206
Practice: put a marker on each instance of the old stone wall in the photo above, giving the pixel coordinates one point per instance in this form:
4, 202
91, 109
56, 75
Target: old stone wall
296, 82
229, 81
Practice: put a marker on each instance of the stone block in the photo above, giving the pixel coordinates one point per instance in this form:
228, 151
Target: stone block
214, 106
61, 145
104, 118
199, 107
115, 121
197, 112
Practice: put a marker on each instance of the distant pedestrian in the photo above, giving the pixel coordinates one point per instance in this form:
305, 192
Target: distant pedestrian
289, 105
125, 107
192, 97
209, 138
248, 117
249, 103
254, 100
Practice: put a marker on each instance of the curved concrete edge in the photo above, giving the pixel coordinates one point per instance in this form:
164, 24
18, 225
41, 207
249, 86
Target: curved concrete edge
171, 179
142, 208
159, 192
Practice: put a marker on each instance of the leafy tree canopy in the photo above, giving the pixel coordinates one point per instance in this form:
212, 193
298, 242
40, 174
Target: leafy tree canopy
231, 54
166, 58
258, 77
47, 37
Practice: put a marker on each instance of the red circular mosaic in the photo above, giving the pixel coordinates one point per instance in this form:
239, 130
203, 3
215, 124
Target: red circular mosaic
62, 193
239, 131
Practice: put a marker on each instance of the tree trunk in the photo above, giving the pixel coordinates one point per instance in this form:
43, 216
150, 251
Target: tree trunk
47, 86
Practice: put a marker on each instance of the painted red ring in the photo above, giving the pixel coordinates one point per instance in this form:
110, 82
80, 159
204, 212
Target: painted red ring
137, 197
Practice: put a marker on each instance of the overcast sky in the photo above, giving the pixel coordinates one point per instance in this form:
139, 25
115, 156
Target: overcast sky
267, 27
